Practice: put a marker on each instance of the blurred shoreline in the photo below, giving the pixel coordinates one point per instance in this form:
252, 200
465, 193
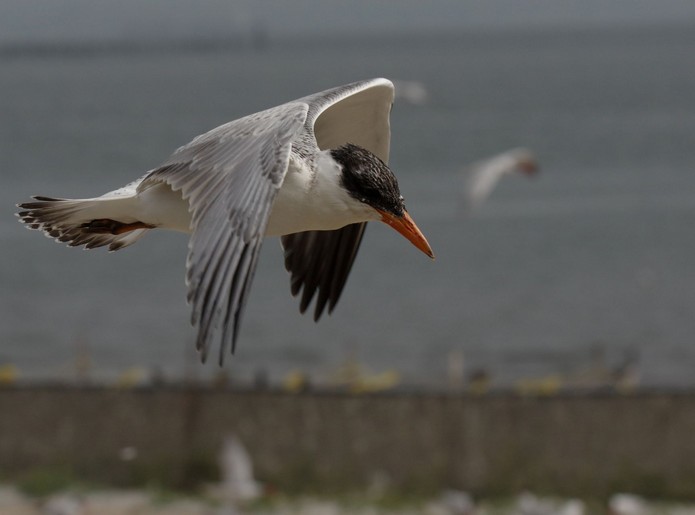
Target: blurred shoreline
570, 444
80, 500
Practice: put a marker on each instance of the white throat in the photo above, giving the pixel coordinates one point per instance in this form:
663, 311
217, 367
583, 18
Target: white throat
312, 198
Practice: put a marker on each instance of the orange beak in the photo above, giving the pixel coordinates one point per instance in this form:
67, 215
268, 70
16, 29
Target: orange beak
406, 226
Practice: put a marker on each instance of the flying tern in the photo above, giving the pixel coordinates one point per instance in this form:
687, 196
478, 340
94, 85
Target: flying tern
481, 177
312, 171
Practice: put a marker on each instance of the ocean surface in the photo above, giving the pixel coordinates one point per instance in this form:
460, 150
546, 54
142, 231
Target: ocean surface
589, 264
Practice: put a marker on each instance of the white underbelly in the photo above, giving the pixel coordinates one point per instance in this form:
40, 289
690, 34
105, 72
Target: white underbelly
164, 208
306, 205
291, 217
302, 204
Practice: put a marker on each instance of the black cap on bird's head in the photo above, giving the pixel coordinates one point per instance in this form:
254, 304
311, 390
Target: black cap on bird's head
368, 179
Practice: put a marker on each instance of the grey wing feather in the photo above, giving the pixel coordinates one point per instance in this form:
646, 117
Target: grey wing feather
320, 261
230, 177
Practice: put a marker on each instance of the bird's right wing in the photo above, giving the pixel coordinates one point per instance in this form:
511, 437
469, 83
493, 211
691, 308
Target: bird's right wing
230, 177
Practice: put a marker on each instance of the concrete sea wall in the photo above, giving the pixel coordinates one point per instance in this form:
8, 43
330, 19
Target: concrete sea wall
584, 445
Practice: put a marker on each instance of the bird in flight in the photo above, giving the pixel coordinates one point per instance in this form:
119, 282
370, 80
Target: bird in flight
481, 177
312, 171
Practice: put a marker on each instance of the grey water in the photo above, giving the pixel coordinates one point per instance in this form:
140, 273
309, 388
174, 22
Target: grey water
595, 256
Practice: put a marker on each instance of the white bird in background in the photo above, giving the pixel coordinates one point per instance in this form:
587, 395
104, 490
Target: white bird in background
529, 504
627, 504
312, 171
481, 177
238, 483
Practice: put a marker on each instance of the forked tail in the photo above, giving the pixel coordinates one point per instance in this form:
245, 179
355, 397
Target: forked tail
80, 222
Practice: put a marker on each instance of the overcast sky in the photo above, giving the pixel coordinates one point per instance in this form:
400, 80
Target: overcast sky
126, 20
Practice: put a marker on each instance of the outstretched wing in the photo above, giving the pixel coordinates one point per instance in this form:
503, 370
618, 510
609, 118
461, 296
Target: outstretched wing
230, 177
358, 113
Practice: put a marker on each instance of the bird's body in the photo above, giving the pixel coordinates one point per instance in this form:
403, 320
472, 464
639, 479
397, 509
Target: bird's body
308, 200
311, 199
311, 171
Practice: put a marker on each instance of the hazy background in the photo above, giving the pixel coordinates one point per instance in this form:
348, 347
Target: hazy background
103, 20
588, 267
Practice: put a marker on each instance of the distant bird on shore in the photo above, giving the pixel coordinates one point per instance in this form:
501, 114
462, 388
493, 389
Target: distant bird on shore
312, 171
530, 504
627, 504
481, 177
238, 484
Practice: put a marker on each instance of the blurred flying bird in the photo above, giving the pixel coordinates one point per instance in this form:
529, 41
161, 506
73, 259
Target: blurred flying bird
312, 171
480, 178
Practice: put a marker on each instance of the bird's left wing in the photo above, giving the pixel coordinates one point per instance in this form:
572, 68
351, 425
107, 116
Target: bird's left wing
230, 177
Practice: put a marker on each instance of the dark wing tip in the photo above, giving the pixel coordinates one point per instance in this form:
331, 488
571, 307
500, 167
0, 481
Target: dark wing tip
320, 261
